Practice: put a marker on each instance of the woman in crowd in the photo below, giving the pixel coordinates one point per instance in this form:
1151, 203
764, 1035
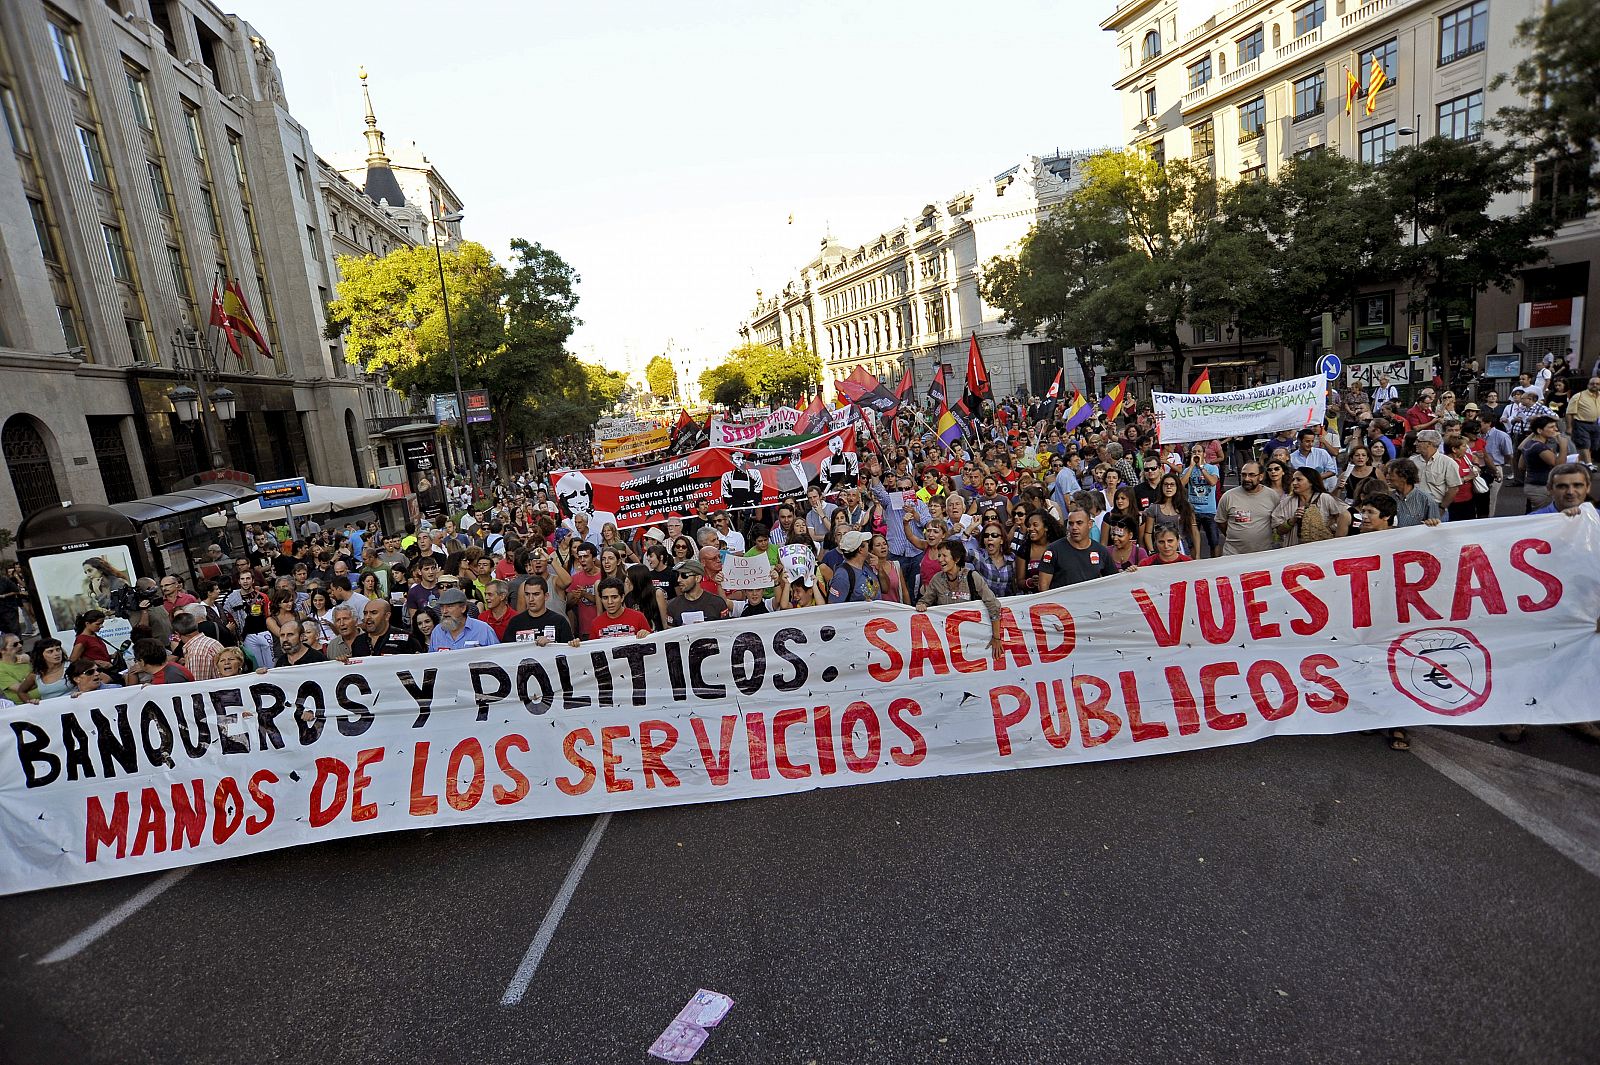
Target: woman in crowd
1539, 456
611, 537
1275, 474
1125, 504
1463, 505
230, 662
319, 610
683, 549
311, 634
1357, 475
423, 621
1043, 530
933, 534
1122, 537
891, 581
1168, 548
1308, 514
992, 561
280, 617
1171, 511
643, 596
613, 564
88, 646
49, 676
372, 587
86, 676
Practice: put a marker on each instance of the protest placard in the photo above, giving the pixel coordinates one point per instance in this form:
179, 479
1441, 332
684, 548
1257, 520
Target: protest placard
1182, 417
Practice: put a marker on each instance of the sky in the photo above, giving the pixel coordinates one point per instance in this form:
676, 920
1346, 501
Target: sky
662, 148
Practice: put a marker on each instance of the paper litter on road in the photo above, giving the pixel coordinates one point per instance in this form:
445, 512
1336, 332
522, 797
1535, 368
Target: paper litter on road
688, 1032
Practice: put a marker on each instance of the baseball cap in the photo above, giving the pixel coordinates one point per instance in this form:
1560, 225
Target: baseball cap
453, 597
691, 566
852, 541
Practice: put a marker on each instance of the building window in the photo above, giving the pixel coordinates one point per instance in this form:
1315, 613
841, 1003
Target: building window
1150, 102
33, 474
1463, 32
66, 46
314, 243
1203, 139
1388, 56
138, 340
158, 185
1461, 119
1308, 17
1378, 143
236, 153
1558, 188
14, 126
1200, 72
140, 98
212, 219
41, 229
69, 327
117, 253
1251, 45
1254, 173
1373, 310
1151, 48
116, 474
93, 160
1252, 119
301, 183
197, 137
180, 276
1308, 95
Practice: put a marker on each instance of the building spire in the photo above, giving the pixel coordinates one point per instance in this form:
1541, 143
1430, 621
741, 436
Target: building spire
381, 185
374, 135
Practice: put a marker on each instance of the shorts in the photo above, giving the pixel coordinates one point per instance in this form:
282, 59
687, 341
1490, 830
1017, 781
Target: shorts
1585, 435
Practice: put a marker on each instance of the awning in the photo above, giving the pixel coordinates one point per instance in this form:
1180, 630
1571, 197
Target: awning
324, 499
185, 502
414, 427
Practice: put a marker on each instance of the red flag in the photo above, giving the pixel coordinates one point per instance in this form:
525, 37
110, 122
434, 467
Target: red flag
238, 312
938, 391
978, 388
220, 319
1055, 387
813, 417
683, 422
903, 389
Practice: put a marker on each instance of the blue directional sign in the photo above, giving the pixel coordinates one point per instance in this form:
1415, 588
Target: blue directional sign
1330, 366
288, 493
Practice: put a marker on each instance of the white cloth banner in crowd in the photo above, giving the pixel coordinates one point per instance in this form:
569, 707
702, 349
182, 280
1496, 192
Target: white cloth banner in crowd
780, 422
1181, 417
1483, 623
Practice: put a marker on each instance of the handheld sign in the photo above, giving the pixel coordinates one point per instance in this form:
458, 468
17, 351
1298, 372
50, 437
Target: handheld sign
287, 493
1330, 366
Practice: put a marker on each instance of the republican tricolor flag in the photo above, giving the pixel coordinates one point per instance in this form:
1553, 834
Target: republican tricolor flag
1078, 411
1111, 402
948, 429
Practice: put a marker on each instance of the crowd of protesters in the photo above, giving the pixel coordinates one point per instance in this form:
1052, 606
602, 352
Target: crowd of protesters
1019, 505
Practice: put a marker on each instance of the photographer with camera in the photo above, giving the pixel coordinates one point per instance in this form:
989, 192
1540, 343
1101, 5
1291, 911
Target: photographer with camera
145, 612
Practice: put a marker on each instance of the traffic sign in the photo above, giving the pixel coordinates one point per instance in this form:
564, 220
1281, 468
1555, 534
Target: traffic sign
1330, 366
288, 493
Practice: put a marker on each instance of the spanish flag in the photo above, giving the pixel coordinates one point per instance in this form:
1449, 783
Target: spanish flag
1376, 80
1078, 411
219, 318
1202, 384
1111, 402
238, 312
1352, 89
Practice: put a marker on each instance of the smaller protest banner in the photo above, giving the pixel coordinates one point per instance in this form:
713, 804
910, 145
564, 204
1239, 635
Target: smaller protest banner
627, 447
1182, 417
780, 422
1373, 374
740, 574
612, 428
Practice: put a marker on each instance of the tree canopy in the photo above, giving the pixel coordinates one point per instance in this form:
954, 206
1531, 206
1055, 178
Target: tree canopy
761, 371
1558, 123
662, 377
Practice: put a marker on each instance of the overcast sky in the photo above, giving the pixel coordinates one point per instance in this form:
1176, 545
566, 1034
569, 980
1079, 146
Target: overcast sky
661, 149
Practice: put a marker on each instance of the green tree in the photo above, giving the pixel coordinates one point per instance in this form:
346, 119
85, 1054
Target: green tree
1117, 262
662, 378
760, 371
1445, 189
606, 387
538, 298
727, 383
1298, 247
1557, 126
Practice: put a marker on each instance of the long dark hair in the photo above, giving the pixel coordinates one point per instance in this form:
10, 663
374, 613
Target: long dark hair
641, 594
36, 657
87, 618
1313, 477
1180, 498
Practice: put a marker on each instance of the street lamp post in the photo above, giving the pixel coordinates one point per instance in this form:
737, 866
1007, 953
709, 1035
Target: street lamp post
440, 233
194, 404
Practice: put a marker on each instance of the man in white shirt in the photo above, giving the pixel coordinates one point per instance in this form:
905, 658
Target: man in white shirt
1384, 393
1307, 453
1439, 474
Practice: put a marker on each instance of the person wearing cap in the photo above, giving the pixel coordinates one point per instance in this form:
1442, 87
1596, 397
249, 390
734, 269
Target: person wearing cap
1438, 473
856, 581
455, 630
693, 603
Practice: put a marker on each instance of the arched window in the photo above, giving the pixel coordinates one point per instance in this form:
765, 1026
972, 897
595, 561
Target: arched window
33, 476
1152, 46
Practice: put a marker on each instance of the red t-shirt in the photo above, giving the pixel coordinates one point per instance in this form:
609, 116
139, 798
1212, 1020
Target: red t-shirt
626, 623
498, 624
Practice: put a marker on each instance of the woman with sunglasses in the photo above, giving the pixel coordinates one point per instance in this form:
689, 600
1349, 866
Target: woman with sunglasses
993, 561
86, 676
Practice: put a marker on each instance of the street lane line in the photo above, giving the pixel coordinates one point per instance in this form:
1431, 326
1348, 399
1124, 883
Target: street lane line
78, 943
558, 908
1578, 839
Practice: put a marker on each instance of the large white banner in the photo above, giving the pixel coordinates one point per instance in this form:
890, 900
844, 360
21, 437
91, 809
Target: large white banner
1477, 623
780, 422
1181, 417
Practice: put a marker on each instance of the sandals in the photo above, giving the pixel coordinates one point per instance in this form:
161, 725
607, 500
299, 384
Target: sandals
1398, 741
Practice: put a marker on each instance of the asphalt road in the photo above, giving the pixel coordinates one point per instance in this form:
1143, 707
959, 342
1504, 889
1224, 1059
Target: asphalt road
1316, 899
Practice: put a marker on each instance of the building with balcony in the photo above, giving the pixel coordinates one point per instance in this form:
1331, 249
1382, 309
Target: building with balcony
1243, 86
907, 299
150, 158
